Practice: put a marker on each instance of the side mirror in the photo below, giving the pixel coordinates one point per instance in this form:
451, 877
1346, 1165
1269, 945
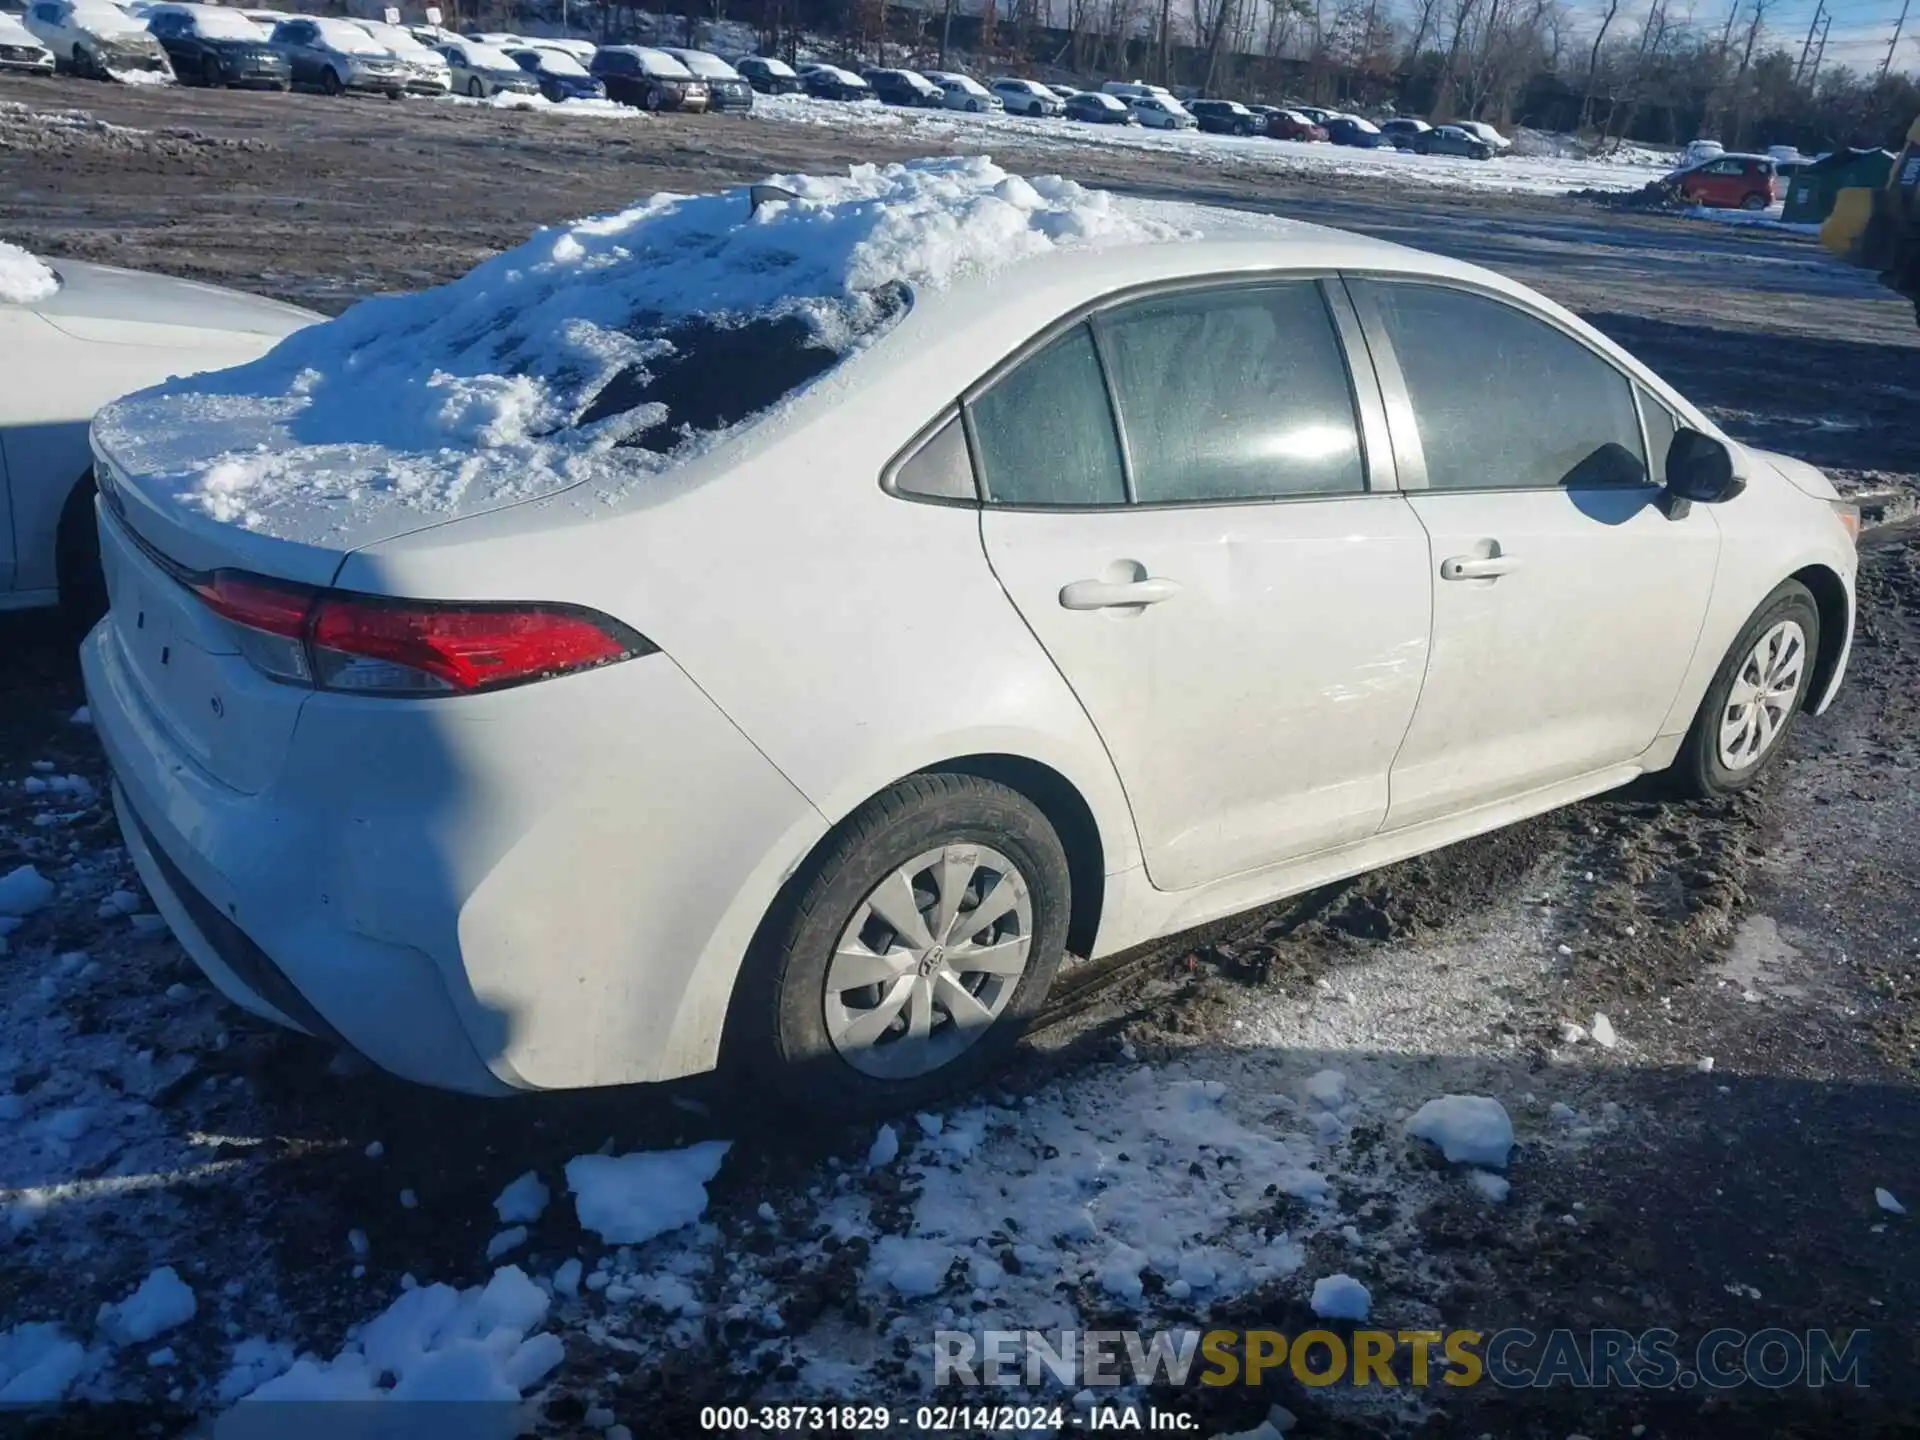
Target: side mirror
1700, 469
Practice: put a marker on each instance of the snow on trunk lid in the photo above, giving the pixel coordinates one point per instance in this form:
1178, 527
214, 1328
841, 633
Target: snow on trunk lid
596, 353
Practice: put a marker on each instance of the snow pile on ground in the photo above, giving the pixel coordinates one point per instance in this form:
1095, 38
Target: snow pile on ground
1751, 219
37, 1364
1340, 1297
582, 107
525, 1199
1542, 144
522, 376
1160, 1173
629, 1199
1469, 1129
24, 277
433, 1343
163, 1302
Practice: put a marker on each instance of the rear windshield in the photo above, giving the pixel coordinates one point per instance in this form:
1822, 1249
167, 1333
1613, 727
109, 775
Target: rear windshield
706, 373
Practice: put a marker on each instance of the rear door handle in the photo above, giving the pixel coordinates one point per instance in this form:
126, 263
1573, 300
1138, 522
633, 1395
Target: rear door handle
1477, 567
1111, 594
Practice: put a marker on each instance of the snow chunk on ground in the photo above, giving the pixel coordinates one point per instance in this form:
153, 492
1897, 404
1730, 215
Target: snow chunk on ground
1603, 1033
1340, 1297
1327, 1088
437, 1343
1884, 1199
627, 1199
24, 890
37, 1361
525, 1200
255, 1361
911, 1265
1469, 1129
506, 1242
1495, 1187
554, 364
886, 1145
25, 279
162, 1302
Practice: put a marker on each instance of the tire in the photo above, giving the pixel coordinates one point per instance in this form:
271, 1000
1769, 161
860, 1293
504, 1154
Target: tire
802, 1037
651, 99
330, 81
76, 557
82, 62
475, 88
1708, 766
1755, 201
210, 73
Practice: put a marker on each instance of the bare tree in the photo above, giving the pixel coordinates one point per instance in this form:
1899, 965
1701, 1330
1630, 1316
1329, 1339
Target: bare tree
1593, 61
1462, 17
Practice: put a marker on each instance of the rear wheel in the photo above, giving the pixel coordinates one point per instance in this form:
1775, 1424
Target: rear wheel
82, 62
925, 939
652, 98
210, 73
1755, 697
1755, 201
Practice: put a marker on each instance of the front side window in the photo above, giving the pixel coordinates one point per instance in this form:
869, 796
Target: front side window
1502, 400
1044, 434
1233, 394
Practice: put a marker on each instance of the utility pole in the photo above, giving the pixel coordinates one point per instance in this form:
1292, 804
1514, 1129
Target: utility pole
1894, 44
1820, 50
1807, 48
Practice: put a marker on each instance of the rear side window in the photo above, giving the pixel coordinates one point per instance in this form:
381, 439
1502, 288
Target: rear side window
1504, 401
1233, 394
940, 469
1044, 434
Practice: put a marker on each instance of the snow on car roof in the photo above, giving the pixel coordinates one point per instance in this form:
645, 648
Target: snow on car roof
659, 62
705, 64
495, 387
347, 37
554, 62
1103, 100
770, 65
24, 277
106, 20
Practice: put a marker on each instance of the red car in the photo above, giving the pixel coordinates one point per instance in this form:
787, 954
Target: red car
1291, 125
1743, 182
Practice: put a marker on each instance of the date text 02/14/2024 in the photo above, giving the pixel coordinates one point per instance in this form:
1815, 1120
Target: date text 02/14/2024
955, 1419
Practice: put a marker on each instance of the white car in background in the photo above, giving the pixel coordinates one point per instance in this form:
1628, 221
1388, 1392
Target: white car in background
480, 70
427, 71
97, 39
72, 337
1027, 97
21, 50
867, 672
338, 57
1162, 112
963, 92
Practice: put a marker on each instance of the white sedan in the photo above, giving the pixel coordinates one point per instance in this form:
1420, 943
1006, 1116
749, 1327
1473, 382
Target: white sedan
1162, 112
20, 48
481, 70
963, 92
72, 337
98, 39
1026, 97
946, 571
426, 69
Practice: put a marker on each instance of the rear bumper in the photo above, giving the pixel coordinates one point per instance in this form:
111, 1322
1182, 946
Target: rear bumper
547, 887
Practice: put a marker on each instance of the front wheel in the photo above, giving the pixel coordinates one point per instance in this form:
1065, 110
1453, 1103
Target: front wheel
210, 73
476, 89
926, 938
330, 81
1755, 697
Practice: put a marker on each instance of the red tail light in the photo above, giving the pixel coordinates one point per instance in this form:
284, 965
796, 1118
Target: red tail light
375, 645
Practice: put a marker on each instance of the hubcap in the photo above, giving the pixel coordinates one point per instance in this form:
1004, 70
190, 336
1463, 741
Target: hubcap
929, 961
1761, 700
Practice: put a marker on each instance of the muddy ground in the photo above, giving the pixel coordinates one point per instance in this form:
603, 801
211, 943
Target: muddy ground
1779, 935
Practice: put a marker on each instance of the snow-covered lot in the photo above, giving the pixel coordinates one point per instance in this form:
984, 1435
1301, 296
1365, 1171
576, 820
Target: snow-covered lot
1235, 1130
936, 131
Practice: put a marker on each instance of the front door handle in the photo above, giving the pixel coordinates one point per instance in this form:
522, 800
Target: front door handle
1477, 567
1112, 594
